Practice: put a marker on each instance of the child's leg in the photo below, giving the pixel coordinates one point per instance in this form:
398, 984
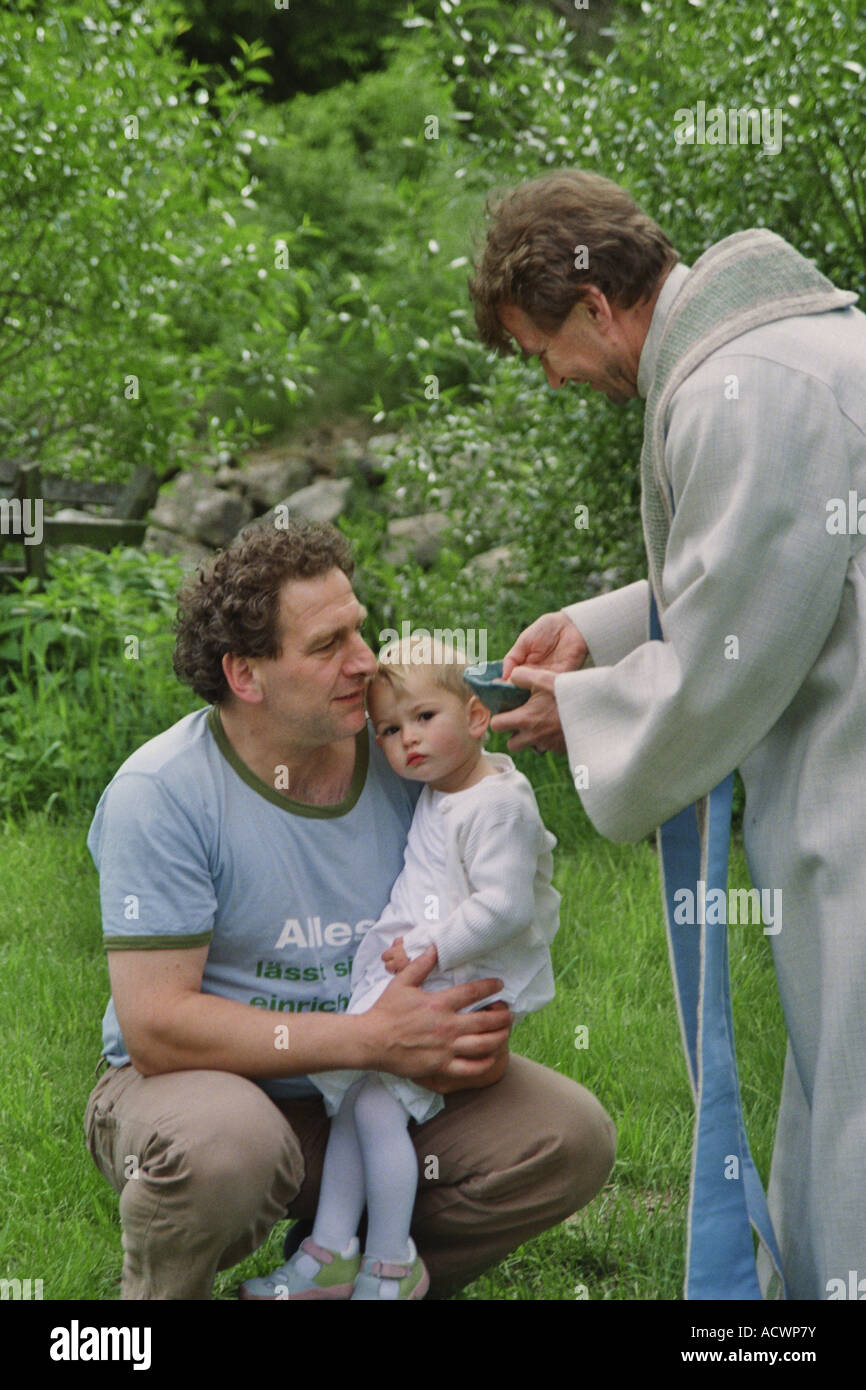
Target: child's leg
341, 1195
326, 1264
390, 1171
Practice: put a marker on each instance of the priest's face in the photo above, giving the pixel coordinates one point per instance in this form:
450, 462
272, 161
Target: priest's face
592, 346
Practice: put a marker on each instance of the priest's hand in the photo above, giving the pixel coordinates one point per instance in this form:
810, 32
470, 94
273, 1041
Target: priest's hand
548, 646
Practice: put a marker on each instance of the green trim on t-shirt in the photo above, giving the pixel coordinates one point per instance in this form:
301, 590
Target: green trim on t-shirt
295, 808
156, 943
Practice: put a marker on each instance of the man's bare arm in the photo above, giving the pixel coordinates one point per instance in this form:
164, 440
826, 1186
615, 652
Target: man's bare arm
168, 1024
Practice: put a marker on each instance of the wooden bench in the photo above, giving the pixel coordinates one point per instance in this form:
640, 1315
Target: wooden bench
25, 483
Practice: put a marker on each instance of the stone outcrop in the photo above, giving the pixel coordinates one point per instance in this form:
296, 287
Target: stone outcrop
193, 506
416, 538
323, 500
314, 477
500, 563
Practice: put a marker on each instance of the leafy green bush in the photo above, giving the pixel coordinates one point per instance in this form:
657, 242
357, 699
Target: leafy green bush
511, 460
135, 275
514, 469
540, 98
86, 675
316, 44
383, 169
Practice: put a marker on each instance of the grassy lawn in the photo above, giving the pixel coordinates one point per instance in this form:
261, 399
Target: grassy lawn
61, 1221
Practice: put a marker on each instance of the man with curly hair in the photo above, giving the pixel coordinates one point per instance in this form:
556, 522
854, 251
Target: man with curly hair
242, 855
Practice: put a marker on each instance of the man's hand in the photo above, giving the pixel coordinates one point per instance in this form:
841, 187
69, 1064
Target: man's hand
416, 1033
548, 646
395, 957
443, 1082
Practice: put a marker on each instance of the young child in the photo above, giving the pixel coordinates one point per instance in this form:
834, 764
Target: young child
476, 883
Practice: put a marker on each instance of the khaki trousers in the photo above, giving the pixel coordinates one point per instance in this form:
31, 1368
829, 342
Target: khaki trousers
205, 1164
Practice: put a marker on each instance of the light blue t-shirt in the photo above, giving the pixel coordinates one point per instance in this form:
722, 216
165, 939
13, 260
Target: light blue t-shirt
194, 849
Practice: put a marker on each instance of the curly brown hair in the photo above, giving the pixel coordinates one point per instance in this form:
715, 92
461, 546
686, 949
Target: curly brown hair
529, 258
232, 603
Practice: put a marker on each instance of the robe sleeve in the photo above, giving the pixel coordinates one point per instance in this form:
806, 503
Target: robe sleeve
613, 624
499, 859
753, 582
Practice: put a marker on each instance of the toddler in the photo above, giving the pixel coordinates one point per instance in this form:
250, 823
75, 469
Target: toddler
476, 884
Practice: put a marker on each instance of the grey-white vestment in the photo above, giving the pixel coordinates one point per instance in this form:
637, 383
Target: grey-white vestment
764, 444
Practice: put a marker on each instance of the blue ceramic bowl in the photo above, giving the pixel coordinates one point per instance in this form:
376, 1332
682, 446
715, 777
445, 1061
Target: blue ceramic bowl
487, 683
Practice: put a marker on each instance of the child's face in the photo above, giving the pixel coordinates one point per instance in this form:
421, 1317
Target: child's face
427, 733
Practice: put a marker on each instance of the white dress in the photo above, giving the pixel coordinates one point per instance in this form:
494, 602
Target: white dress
476, 883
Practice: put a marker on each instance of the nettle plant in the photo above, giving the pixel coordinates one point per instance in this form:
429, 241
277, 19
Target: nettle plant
136, 275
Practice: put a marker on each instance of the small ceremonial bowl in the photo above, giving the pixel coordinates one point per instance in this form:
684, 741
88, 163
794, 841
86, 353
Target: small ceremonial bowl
487, 683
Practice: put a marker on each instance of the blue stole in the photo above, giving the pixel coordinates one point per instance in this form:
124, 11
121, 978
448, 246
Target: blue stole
726, 1198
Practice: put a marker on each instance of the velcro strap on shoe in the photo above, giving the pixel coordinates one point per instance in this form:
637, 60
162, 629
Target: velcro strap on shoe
318, 1252
382, 1271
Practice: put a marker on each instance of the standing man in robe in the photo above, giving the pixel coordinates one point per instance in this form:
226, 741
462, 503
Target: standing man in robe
754, 372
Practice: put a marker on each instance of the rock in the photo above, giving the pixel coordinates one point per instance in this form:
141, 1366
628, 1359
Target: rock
74, 514
197, 509
353, 460
500, 562
416, 538
323, 500
190, 553
139, 494
380, 445
349, 451
268, 477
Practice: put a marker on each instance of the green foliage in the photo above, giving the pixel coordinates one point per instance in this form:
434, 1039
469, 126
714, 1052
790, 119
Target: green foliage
538, 102
513, 469
76, 695
135, 274
538, 94
393, 188
316, 43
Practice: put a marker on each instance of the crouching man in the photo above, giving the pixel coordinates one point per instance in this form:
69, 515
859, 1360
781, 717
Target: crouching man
242, 854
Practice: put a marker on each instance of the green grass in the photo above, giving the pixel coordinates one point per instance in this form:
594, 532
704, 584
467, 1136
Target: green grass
61, 1221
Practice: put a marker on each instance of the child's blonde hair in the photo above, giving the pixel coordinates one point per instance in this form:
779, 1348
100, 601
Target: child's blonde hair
441, 662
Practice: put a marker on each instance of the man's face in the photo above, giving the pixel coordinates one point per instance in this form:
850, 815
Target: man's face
590, 346
314, 691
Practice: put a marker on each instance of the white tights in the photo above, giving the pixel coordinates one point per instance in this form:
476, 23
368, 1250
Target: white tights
370, 1157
